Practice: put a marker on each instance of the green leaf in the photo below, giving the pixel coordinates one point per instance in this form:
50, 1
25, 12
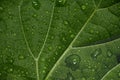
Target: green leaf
59, 39
113, 74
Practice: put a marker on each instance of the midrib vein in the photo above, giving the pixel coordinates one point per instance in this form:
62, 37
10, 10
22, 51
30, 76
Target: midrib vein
20, 17
70, 46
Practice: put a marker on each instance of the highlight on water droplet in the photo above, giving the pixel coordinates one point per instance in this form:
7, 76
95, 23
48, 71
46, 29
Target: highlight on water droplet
96, 53
73, 61
61, 3
36, 4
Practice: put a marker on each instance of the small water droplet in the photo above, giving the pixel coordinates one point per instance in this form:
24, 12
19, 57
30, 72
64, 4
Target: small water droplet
66, 22
72, 35
11, 70
109, 53
1, 8
34, 15
60, 3
50, 48
96, 53
59, 47
90, 38
69, 77
43, 71
21, 57
73, 61
83, 78
36, 4
63, 39
83, 7
97, 32
118, 74
91, 31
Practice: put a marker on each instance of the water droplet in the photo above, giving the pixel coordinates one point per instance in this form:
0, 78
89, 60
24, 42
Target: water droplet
118, 74
61, 3
34, 15
91, 31
83, 78
63, 39
73, 61
50, 48
36, 4
21, 57
59, 47
69, 77
43, 71
83, 7
109, 53
97, 32
66, 22
72, 35
1, 8
10, 70
96, 53
9, 60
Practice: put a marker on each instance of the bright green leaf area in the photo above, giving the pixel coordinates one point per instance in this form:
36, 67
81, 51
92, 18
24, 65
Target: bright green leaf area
59, 39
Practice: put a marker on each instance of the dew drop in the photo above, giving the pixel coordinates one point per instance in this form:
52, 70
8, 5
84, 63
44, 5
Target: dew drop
34, 16
73, 61
50, 48
83, 78
83, 7
21, 57
36, 4
60, 3
66, 22
52, 37
43, 71
109, 53
118, 74
11, 70
91, 31
1, 8
96, 53
72, 35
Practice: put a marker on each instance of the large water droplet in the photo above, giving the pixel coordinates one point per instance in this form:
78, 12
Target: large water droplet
36, 4
69, 77
73, 61
61, 3
96, 53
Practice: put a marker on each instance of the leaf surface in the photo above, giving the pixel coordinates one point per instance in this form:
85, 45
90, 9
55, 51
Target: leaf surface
59, 39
